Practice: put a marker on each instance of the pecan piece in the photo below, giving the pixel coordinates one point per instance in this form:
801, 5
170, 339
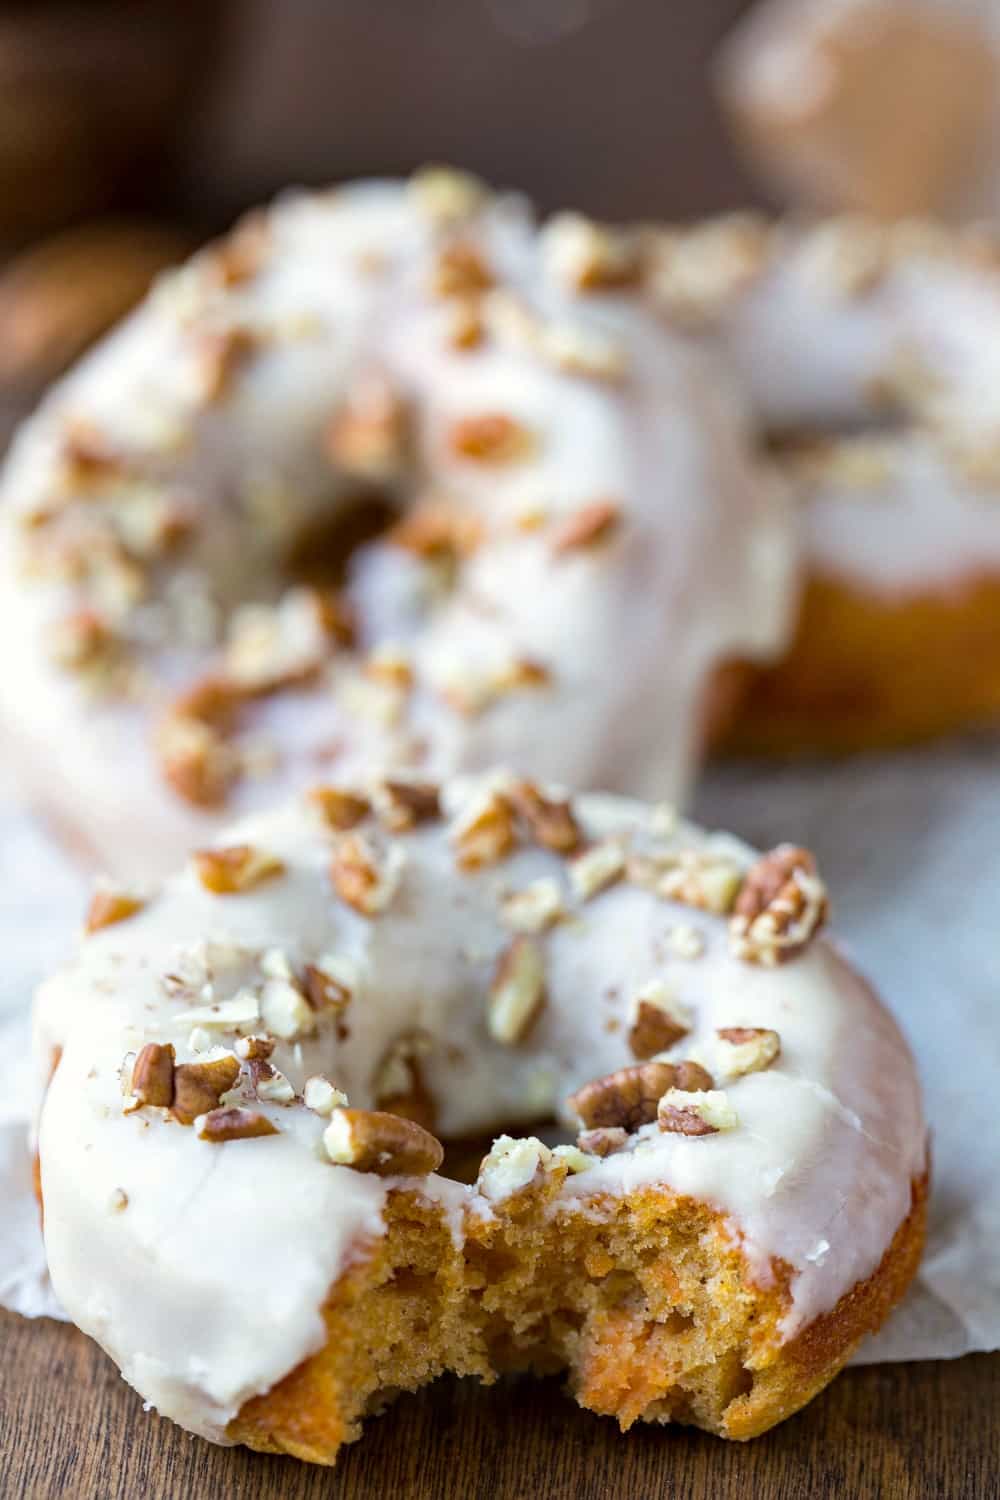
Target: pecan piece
237, 868
402, 805
220, 356
152, 1077
220, 1125
695, 1111
748, 1049
517, 993
603, 1141
370, 1140
436, 529
460, 271
339, 809
198, 1087
492, 438
550, 820
484, 832
361, 877
369, 438
702, 879
657, 1020
781, 906
629, 1097
586, 527
108, 906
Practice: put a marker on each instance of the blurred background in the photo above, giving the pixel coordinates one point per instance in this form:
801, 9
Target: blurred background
131, 130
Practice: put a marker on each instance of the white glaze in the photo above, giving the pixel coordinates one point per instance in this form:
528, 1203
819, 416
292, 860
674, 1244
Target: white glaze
814, 321
206, 1287
702, 568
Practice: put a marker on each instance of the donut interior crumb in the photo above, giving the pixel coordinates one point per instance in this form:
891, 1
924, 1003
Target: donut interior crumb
643, 1301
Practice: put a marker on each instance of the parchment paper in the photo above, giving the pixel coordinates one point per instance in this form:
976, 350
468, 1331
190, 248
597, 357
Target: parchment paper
909, 845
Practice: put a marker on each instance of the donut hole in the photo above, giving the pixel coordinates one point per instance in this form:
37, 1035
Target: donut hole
641, 1300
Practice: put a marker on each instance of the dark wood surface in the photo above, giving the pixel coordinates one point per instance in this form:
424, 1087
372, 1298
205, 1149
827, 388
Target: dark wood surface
69, 1426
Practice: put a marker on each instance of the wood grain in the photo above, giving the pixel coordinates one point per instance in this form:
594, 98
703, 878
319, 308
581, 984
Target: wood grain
69, 1426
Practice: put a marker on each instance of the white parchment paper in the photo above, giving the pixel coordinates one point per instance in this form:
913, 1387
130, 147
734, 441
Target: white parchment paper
909, 845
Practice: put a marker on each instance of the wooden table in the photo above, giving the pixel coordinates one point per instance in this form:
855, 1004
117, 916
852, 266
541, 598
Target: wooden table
69, 1426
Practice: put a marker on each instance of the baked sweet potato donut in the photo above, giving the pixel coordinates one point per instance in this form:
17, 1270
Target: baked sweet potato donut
239, 1144
582, 532
868, 352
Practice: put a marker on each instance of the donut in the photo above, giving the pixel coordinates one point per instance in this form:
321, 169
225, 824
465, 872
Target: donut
249, 1075
867, 354
575, 532
883, 106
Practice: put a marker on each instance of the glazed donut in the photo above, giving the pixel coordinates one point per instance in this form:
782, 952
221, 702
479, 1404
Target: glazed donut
868, 354
248, 1073
582, 535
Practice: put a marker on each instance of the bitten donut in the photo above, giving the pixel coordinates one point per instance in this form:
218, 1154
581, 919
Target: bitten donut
583, 534
249, 1073
869, 355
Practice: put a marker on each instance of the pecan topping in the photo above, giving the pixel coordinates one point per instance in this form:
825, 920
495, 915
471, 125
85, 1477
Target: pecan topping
369, 437
534, 907
781, 906
702, 879
198, 1087
79, 639
589, 257
230, 871
603, 1141
586, 527
339, 809
629, 1097
695, 1110
195, 760
361, 878
220, 357
254, 1048
550, 820
323, 990
398, 1085
220, 1125
460, 271
748, 1049
518, 991
152, 1077
370, 1140
436, 529
108, 906
321, 1096
484, 832
401, 805
492, 438
597, 868
657, 1021
268, 1084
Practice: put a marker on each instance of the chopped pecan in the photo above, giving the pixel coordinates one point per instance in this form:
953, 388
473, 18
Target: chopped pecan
695, 1110
597, 868
220, 356
402, 805
268, 1084
371, 1140
629, 1097
321, 1096
254, 1048
445, 196
339, 808
79, 639
152, 1077
195, 760
390, 667
781, 906
550, 820
517, 993
237, 868
460, 271
534, 907
484, 832
436, 529
589, 257
465, 328
198, 1087
492, 438
323, 990
586, 527
369, 437
749, 1049
603, 1141
108, 906
285, 1010
703, 879
363, 877
657, 1020
220, 1125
